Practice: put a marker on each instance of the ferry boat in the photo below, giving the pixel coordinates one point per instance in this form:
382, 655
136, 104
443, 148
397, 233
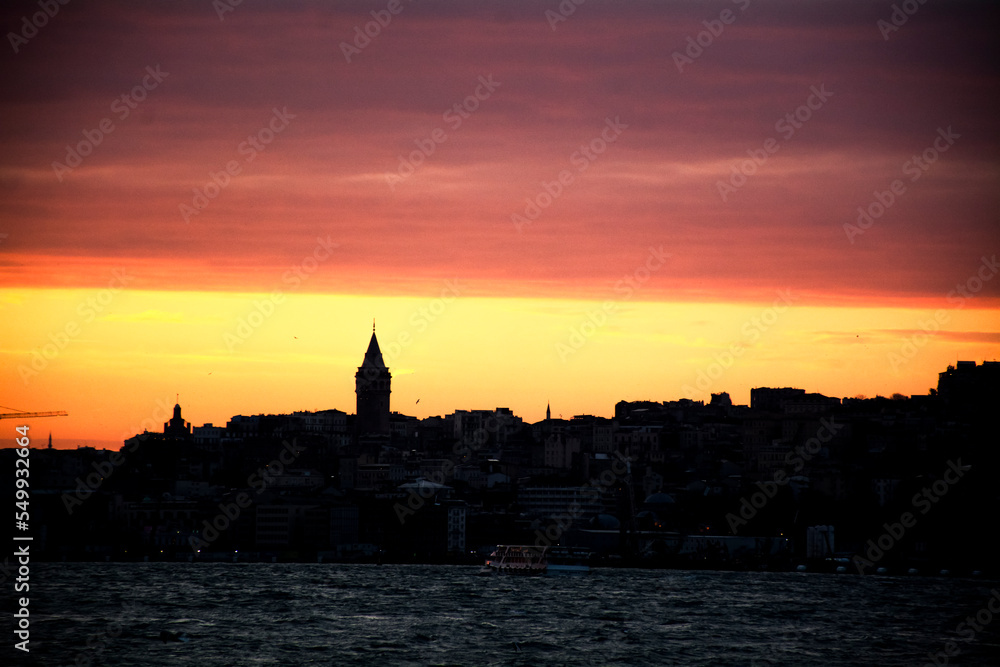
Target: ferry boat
518, 559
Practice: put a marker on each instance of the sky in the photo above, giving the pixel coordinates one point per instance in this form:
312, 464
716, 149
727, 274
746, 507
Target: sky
535, 202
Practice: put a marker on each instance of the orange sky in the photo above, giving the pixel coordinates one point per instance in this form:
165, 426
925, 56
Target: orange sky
591, 123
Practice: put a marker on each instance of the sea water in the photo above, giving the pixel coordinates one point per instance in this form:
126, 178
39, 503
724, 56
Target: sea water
152, 614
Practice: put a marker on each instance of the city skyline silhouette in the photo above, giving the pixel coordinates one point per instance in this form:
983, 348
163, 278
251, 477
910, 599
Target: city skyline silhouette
688, 310
184, 214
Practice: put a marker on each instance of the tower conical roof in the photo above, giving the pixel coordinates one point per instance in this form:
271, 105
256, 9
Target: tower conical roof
373, 356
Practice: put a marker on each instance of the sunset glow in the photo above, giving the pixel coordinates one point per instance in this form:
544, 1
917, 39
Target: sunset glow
530, 211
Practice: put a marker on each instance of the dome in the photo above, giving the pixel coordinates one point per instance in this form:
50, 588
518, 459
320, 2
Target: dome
660, 499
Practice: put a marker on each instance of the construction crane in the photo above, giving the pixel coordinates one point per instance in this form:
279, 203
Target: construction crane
30, 415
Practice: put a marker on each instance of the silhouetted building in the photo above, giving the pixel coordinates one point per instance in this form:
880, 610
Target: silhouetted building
809, 403
372, 385
772, 399
177, 427
722, 400
328, 484
969, 384
546, 501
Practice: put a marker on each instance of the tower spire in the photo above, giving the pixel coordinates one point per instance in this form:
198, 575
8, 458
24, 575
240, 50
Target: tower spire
372, 385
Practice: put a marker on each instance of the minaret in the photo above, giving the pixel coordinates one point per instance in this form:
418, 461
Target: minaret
372, 385
50, 439
548, 411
